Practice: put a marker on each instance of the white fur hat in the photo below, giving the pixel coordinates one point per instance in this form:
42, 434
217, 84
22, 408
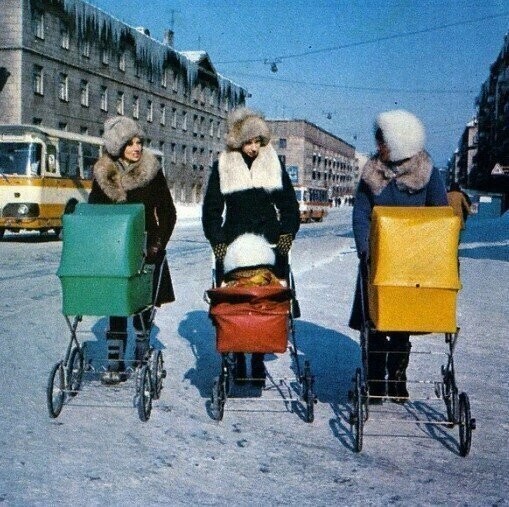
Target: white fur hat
403, 133
248, 250
118, 131
245, 124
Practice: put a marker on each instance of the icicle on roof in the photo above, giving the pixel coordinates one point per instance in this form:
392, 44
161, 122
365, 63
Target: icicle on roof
154, 55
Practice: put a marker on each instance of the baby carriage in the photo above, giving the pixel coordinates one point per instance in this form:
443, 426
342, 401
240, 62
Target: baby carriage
410, 284
103, 272
256, 319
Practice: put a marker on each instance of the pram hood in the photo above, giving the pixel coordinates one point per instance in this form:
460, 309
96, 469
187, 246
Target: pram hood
248, 250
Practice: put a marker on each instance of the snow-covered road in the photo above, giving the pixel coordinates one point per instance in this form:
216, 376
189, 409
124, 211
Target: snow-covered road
97, 452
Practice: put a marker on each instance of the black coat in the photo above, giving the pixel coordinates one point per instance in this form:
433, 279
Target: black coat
142, 183
258, 199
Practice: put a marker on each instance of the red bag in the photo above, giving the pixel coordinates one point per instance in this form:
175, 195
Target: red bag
250, 319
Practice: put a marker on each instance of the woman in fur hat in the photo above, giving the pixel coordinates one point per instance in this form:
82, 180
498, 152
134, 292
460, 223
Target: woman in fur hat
126, 173
251, 185
400, 174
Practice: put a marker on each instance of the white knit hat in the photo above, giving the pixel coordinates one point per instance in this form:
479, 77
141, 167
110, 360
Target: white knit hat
245, 124
118, 131
403, 133
248, 250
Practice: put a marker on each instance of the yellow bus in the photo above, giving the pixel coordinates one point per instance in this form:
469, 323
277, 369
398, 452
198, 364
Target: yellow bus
44, 173
313, 203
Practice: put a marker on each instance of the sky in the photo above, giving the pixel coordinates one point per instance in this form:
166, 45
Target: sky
340, 63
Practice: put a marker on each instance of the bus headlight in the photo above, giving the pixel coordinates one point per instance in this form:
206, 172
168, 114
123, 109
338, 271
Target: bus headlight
21, 210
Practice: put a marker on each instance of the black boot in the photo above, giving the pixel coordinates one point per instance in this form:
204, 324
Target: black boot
141, 349
115, 373
258, 373
377, 358
239, 371
397, 363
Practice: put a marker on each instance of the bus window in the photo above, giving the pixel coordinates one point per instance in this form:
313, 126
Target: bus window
91, 153
20, 158
68, 159
51, 158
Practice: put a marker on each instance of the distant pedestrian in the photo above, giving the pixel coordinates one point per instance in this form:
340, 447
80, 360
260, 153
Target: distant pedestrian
400, 174
459, 202
127, 173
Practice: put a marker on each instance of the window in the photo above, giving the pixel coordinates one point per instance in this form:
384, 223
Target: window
38, 80
85, 49
68, 158
63, 126
282, 143
37, 121
162, 120
120, 103
195, 125
136, 107
173, 117
104, 98
137, 68
39, 24
211, 159
218, 130
63, 87
121, 62
173, 152
202, 122
64, 37
150, 111
211, 128
193, 157
175, 84
105, 57
184, 154
184, 120
164, 78
90, 155
84, 92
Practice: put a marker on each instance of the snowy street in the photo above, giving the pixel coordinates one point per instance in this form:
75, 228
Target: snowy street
98, 452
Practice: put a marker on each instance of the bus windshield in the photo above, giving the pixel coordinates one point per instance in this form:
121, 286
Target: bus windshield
20, 158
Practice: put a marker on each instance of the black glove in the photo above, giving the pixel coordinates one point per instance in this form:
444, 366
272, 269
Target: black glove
220, 250
284, 243
153, 252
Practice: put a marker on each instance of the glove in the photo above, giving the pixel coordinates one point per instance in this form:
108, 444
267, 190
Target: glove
220, 250
153, 252
284, 243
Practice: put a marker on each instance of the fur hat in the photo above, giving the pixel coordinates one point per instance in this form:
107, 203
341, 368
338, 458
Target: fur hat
118, 131
403, 133
248, 250
245, 124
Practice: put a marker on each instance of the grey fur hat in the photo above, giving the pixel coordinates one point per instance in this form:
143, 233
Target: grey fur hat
245, 124
118, 131
248, 250
403, 133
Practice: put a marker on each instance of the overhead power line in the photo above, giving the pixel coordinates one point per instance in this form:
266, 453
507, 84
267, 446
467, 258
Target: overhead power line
358, 88
370, 41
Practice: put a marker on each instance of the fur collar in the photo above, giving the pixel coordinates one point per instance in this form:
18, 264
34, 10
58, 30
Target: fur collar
411, 175
265, 172
115, 182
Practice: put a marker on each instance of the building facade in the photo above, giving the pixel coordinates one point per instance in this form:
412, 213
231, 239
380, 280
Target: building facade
68, 65
316, 158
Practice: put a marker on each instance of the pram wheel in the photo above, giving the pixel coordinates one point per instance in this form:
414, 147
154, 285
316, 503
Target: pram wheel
55, 392
357, 414
218, 399
157, 372
144, 394
450, 396
466, 424
308, 394
75, 371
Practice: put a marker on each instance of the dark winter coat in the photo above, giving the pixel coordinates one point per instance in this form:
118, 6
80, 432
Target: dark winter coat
414, 182
258, 199
143, 182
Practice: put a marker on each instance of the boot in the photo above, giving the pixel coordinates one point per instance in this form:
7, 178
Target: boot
377, 358
239, 372
115, 373
397, 362
141, 349
258, 373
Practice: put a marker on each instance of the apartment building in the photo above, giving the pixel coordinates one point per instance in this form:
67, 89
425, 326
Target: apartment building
316, 158
66, 64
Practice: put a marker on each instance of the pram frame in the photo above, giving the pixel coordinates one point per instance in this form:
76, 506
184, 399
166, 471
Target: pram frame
457, 404
66, 376
222, 383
